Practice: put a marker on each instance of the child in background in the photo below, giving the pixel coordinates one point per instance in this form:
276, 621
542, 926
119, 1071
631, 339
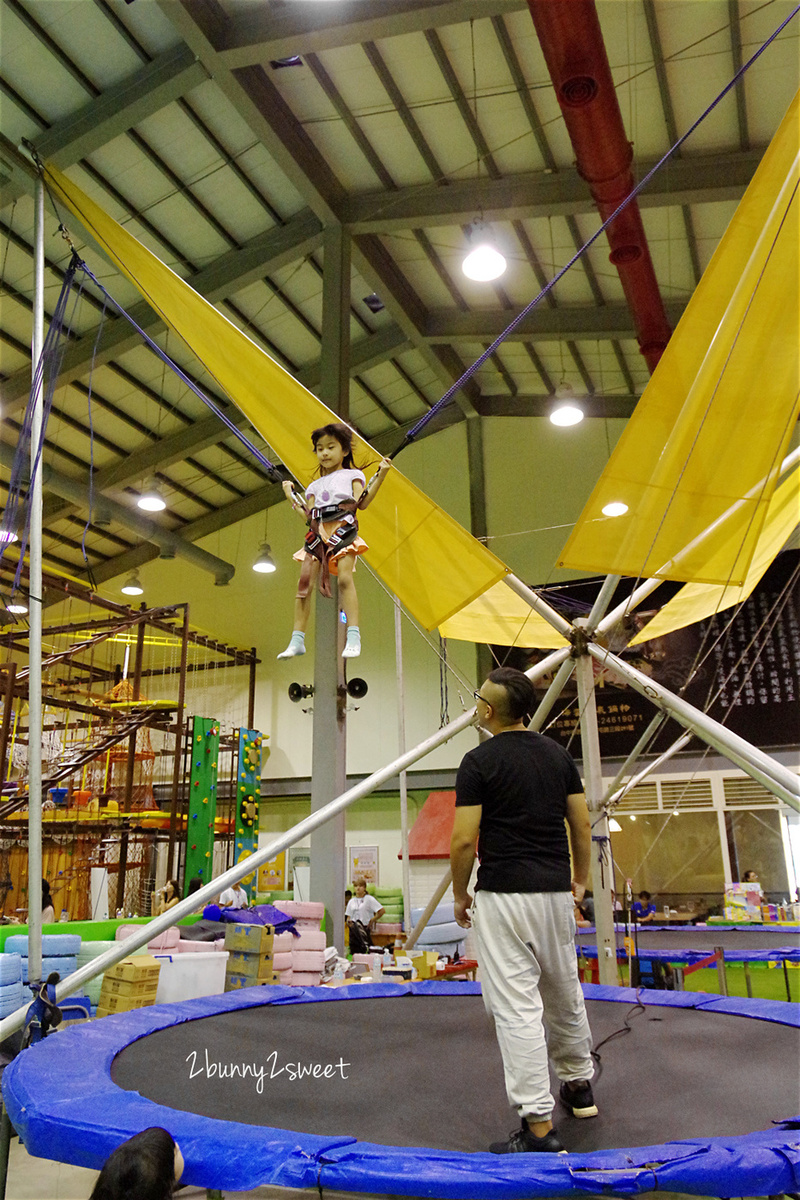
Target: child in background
332, 542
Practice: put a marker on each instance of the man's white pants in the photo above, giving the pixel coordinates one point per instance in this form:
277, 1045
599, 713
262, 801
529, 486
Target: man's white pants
529, 978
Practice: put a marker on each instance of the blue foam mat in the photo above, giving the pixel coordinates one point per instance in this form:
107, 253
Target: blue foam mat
63, 1103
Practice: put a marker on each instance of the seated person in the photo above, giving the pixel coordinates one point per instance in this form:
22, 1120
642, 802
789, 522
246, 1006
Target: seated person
580, 920
233, 897
587, 908
643, 909
361, 915
48, 908
168, 896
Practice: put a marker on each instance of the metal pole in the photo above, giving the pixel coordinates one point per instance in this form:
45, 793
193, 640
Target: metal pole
772, 775
206, 894
643, 742
601, 861
177, 774
552, 694
676, 746
602, 600
251, 691
540, 606
35, 612
721, 973
401, 749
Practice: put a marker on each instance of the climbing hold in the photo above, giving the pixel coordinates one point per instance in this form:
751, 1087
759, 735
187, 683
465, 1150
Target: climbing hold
205, 800
194, 847
208, 854
198, 738
194, 816
198, 764
197, 783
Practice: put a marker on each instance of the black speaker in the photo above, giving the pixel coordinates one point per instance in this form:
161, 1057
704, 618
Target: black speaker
357, 688
300, 691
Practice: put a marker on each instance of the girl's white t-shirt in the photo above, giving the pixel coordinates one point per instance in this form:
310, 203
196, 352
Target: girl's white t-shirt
333, 488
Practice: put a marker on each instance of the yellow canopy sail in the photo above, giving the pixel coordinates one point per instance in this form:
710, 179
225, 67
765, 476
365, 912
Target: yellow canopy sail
710, 431
697, 601
427, 559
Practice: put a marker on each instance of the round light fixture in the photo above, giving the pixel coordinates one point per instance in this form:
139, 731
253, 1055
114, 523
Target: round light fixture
7, 536
265, 563
615, 509
484, 261
17, 606
566, 410
132, 586
151, 499
614, 826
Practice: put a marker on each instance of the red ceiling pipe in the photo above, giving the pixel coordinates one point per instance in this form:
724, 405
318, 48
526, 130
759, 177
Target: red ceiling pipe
572, 42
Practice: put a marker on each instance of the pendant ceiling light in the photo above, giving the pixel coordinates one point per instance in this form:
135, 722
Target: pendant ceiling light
484, 261
264, 564
17, 605
566, 410
132, 586
151, 499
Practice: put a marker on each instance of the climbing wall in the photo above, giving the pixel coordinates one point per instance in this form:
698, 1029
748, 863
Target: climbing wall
202, 799
248, 789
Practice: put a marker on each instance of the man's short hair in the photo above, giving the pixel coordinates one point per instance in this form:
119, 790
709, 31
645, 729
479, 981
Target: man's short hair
520, 693
644, 895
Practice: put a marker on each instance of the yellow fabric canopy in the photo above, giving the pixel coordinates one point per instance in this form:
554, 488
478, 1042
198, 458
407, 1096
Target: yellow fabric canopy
697, 601
501, 617
427, 559
710, 431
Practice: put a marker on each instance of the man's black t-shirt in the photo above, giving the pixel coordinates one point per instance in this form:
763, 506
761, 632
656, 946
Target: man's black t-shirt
522, 780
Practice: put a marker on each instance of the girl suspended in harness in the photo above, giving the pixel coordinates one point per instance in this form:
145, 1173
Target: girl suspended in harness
332, 543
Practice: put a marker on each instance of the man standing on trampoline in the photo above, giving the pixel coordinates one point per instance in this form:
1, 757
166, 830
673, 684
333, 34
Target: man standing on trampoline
514, 793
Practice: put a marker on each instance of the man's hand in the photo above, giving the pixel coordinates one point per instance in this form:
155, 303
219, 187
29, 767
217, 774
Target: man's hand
462, 913
578, 891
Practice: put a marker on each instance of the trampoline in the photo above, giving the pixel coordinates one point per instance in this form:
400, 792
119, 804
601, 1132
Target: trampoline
688, 943
397, 1089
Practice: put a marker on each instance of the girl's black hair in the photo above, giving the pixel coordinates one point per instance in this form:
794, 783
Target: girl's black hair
344, 437
143, 1168
46, 893
173, 883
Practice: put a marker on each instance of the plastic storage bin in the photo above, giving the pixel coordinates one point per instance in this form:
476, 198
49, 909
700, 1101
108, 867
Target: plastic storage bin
187, 976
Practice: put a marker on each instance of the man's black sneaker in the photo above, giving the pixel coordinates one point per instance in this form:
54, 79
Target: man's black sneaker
522, 1141
578, 1099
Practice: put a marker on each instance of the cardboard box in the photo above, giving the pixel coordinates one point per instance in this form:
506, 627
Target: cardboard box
425, 963
115, 1004
233, 982
249, 939
131, 988
135, 970
252, 966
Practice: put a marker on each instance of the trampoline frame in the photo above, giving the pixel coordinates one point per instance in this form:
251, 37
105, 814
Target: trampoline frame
63, 1103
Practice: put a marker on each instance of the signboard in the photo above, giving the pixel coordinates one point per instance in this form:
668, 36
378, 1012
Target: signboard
272, 874
741, 666
364, 864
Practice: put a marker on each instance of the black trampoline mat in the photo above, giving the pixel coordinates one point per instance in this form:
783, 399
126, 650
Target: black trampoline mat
704, 939
426, 1071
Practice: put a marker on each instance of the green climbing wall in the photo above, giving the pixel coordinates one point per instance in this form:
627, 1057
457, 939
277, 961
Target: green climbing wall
248, 788
202, 800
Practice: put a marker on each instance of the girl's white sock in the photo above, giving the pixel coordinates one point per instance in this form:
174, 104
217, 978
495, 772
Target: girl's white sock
297, 645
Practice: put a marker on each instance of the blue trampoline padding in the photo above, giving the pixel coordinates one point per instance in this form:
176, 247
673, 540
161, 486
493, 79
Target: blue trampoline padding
62, 1102
10, 968
449, 931
791, 953
53, 944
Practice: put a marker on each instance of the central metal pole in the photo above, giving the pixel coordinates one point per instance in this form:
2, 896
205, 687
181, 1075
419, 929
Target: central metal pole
35, 611
328, 764
602, 875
